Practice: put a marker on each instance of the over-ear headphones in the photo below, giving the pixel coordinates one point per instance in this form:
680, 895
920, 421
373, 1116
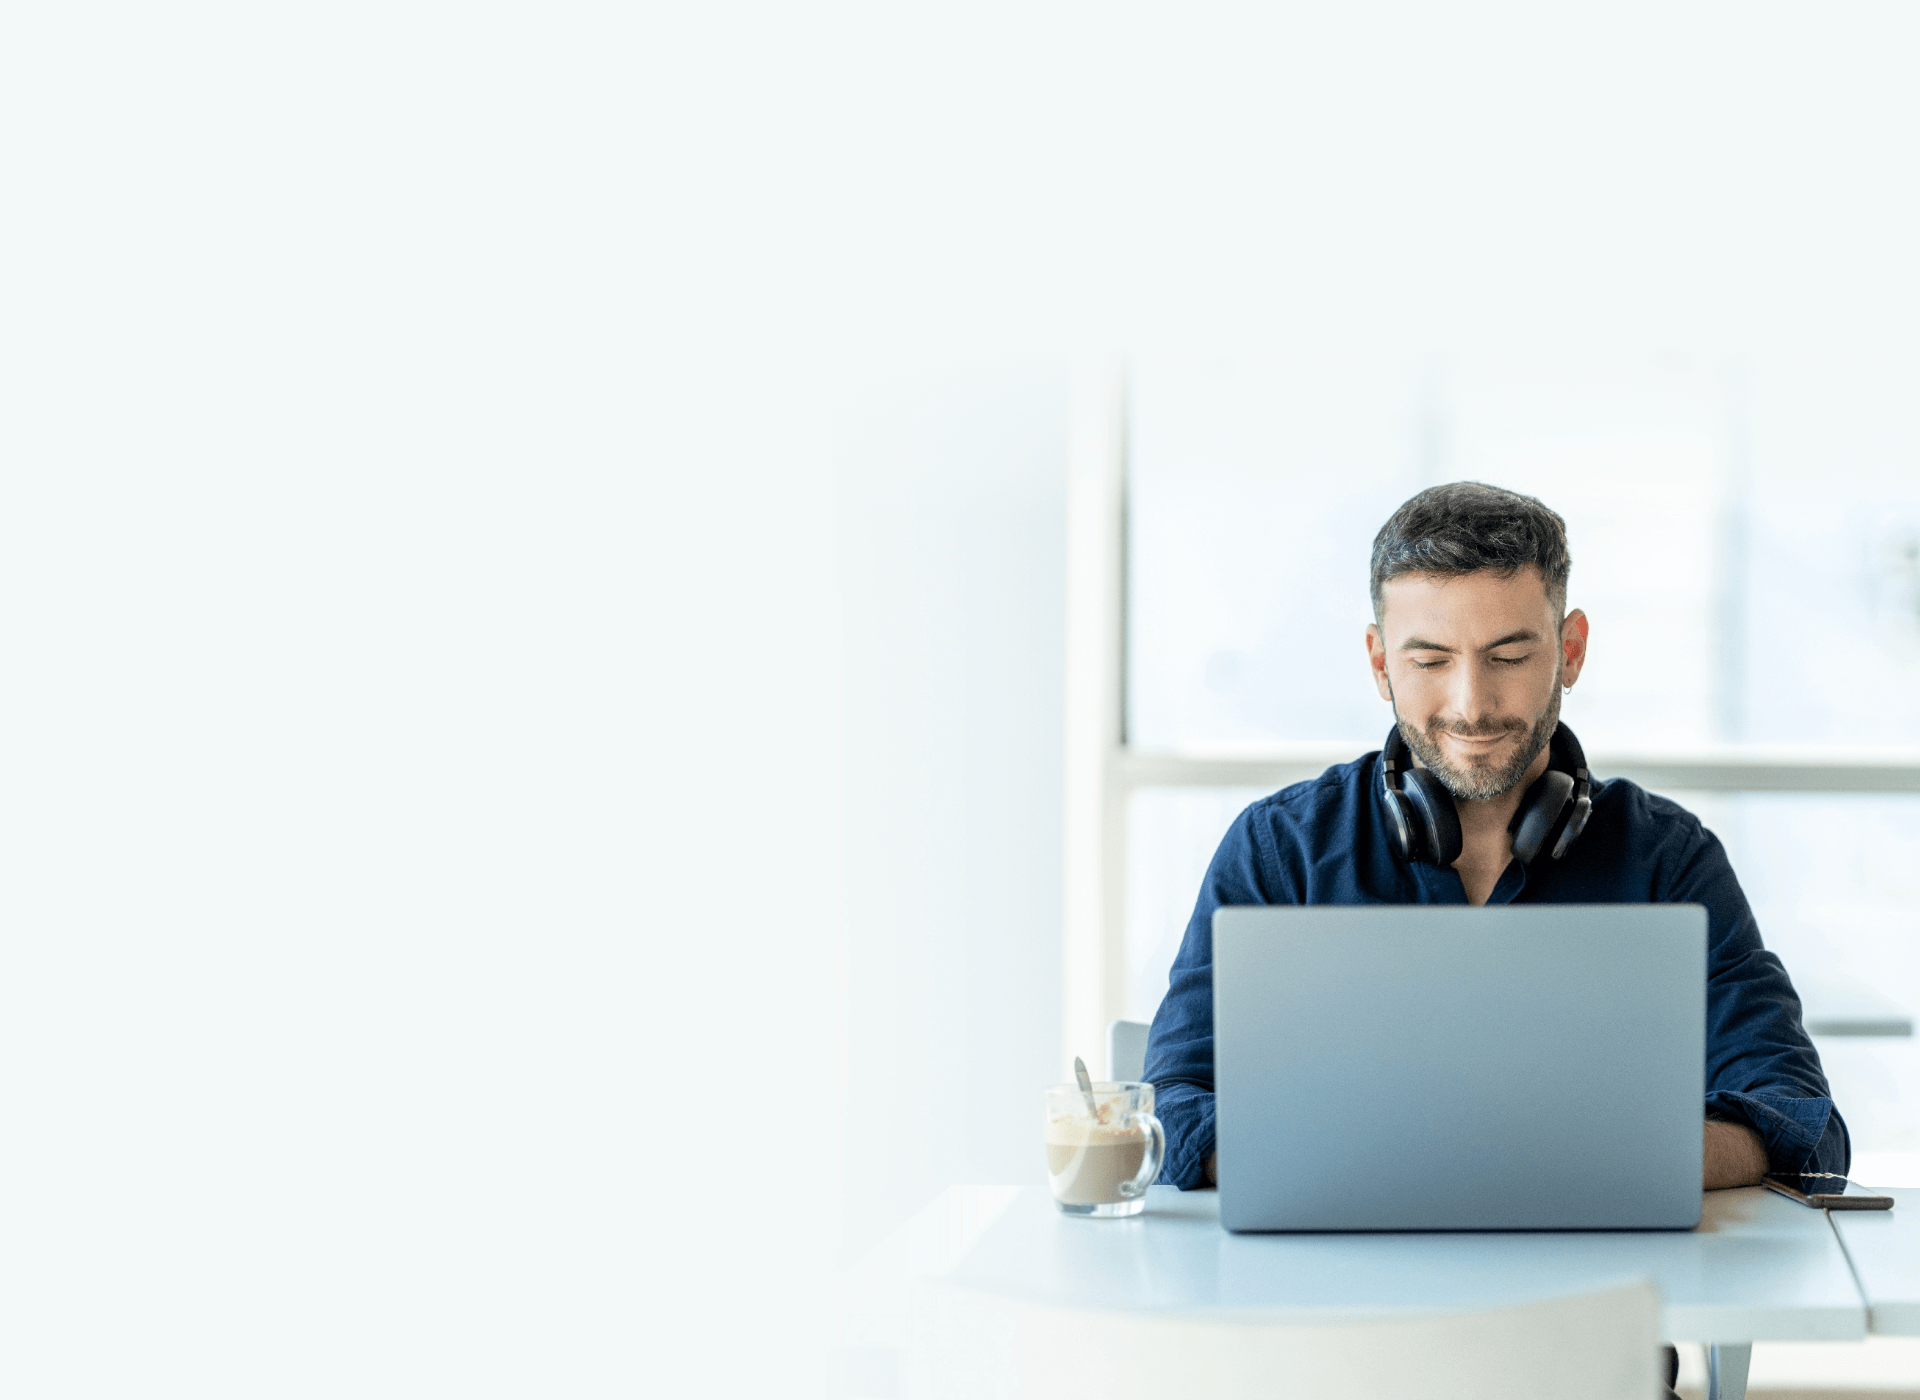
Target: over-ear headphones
1426, 826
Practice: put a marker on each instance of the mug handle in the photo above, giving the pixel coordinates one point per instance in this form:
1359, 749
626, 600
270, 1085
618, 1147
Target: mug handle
1150, 1164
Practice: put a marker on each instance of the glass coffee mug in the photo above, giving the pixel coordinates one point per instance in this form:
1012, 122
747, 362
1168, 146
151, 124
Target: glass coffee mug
1103, 1165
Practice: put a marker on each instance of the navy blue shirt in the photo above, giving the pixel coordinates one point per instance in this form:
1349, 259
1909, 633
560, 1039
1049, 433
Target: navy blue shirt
1326, 842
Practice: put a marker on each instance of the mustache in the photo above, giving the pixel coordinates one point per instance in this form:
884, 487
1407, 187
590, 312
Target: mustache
1488, 729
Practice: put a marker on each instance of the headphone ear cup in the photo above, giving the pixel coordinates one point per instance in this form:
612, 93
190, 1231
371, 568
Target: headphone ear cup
1439, 821
1540, 813
1401, 826
1576, 823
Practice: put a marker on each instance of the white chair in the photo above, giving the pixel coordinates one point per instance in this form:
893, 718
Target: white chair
1593, 1346
1126, 1051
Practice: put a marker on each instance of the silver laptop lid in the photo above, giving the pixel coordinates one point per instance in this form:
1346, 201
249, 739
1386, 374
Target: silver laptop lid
1419, 1067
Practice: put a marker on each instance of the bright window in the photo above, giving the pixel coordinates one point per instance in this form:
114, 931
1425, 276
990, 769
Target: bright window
1747, 545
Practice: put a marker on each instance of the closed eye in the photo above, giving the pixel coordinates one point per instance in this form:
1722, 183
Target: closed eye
1511, 660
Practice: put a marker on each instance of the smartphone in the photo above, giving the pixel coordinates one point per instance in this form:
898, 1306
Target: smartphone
1824, 1191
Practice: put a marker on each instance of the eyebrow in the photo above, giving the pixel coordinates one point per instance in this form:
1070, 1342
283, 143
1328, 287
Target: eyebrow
1421, 644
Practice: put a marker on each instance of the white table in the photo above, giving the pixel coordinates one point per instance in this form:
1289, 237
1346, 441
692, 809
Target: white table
1759, 1268
1884, 1247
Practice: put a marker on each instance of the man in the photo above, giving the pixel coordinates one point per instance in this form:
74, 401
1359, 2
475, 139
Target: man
1472, 645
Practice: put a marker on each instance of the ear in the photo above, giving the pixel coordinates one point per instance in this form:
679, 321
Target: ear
1573, 646
1377, 660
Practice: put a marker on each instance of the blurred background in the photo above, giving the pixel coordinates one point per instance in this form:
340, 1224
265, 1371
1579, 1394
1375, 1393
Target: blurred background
546, 656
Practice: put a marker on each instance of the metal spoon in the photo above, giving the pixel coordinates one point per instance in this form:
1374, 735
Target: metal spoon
1086, 1086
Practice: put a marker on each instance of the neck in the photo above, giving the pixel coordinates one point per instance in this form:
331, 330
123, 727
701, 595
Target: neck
1486, 846
1493, 815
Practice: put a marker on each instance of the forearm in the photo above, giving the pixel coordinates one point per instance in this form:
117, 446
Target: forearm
1187, 1111
1734, 1155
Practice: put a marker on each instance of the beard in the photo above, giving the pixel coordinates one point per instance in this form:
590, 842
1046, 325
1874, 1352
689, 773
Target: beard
1482, 781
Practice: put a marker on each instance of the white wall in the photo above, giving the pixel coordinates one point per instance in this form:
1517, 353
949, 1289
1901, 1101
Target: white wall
952, 542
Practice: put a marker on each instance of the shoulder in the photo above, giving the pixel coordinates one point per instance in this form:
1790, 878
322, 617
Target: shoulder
1279, 849
1623, 800
1673, 857
1646, 826
1306, 811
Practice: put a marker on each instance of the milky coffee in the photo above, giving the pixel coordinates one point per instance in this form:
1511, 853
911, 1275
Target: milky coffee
1090, 1161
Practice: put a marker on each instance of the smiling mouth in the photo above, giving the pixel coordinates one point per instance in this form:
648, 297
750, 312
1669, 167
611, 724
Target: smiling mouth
1481, 743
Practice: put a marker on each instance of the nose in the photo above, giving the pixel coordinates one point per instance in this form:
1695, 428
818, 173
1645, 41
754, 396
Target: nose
1472, 694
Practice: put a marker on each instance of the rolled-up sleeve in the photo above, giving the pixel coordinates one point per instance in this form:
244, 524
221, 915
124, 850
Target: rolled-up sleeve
1762, 1068
1180, 1043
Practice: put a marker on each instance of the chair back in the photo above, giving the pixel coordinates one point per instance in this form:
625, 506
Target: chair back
1126, 1051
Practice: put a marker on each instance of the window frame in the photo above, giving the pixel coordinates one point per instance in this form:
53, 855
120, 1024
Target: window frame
1103, 769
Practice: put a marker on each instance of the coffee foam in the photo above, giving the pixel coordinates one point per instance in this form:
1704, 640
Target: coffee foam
1073, 1132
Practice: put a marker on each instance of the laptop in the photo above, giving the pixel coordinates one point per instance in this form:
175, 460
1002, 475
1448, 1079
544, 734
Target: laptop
1420, 1067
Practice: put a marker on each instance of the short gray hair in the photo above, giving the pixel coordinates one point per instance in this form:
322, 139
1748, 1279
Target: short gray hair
1466, 526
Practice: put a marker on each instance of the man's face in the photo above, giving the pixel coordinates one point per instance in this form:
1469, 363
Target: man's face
1473, 666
